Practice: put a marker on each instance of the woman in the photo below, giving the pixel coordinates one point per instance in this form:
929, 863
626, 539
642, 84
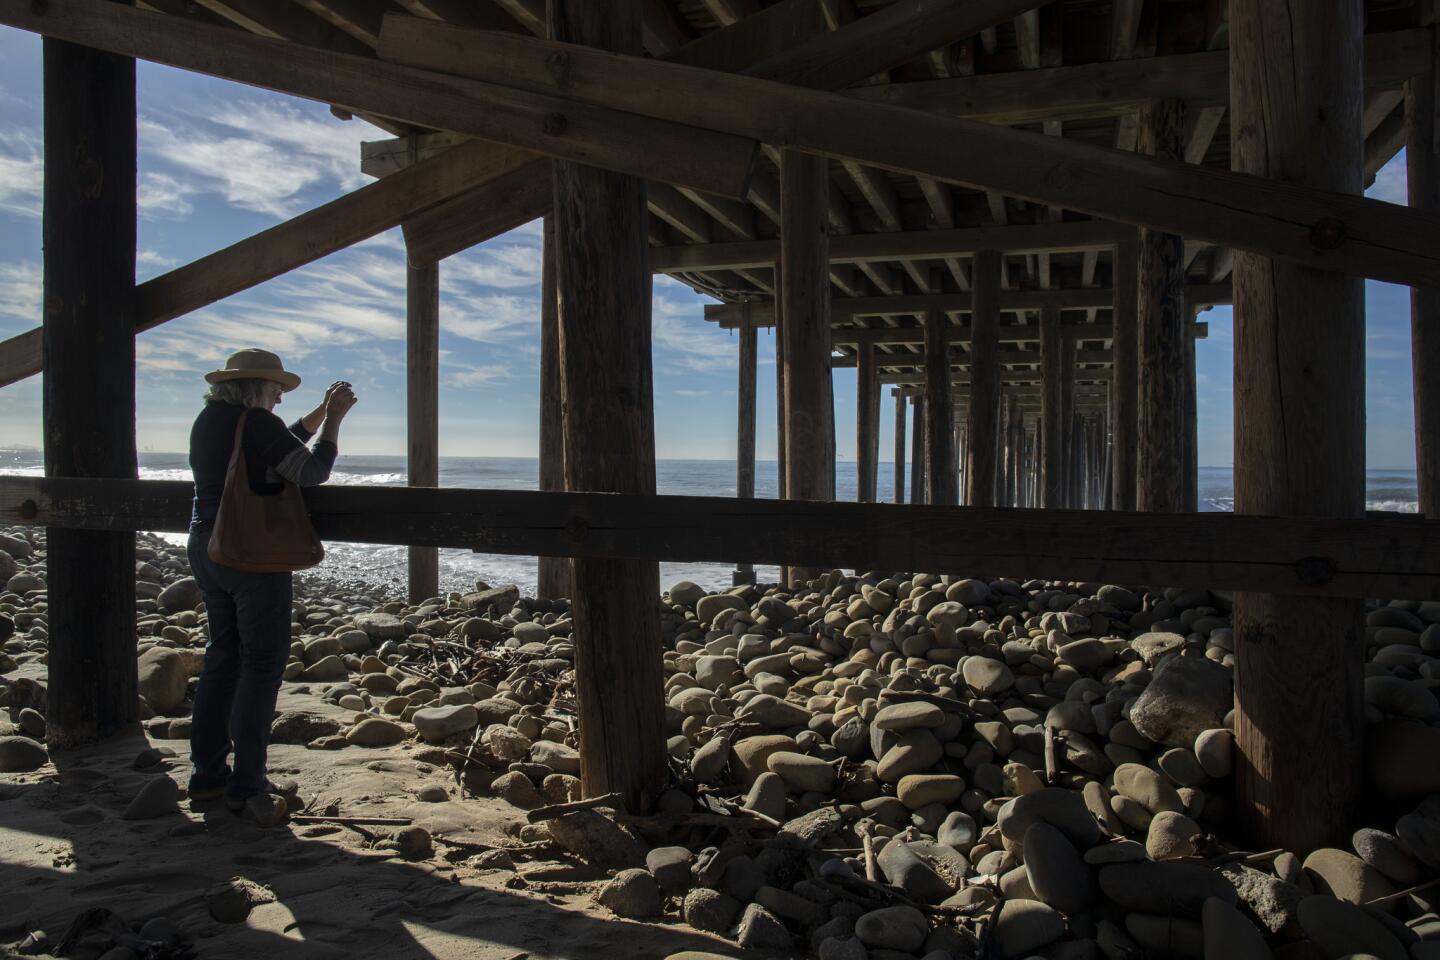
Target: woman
249, 613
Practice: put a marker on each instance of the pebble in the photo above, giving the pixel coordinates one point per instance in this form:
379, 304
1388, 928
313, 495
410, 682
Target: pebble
1346, 876
632, 893
893, 928
802, 773
987, 677
918, 790
1171, 835
157, 798
760, 930
375, 732
902, 716
710, 910
1385, 853
21, 755
1063, 809
436, 724
1215, 751
1024, 926
1054, 868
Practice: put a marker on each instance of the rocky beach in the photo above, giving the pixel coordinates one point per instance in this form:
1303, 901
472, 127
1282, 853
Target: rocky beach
886, 765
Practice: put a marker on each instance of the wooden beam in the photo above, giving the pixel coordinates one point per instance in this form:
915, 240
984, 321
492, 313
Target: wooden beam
528, 13
603, 292
804, 285
883, 39
1124, 388
553, 125
422, 409
371, 210
283, 20
1378, 556
480, 213
898, 473
88, 230
1422, 155
1160, 327
1302, 224
982, 436
867, 423
1118, 87
727, 12
554, 579
1300, 436
917, 244
941, 477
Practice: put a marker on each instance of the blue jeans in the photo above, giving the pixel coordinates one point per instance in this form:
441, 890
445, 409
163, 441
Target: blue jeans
235, 699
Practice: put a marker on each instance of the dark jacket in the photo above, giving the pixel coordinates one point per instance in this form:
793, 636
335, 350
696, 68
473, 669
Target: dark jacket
273, 453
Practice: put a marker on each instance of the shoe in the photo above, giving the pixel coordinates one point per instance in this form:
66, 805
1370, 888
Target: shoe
265, 809
202, 794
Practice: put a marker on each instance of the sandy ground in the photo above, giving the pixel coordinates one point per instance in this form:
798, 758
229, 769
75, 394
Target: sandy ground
64, 848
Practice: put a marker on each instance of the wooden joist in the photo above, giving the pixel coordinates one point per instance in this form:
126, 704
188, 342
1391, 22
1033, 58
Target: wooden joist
1324, 229
371, 210
1118, 87
559, 127
917, 244
1391, 556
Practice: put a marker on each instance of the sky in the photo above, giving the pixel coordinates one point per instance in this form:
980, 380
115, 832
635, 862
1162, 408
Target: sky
220, 161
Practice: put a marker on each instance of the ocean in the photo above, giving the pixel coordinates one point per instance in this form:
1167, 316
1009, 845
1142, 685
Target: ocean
383, 565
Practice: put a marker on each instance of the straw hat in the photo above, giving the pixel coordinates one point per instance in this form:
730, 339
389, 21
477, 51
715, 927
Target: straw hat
255, 365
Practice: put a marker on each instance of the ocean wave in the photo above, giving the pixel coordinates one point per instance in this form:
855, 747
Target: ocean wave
1227, 505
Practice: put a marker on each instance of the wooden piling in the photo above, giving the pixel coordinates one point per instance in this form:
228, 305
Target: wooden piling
805, 291
745, 433
603, 285
899, 469
940, 476
867, 422
1124, 379
1296, 103
1163, 327
984, 430
1051, 438
1423, 178
1067, 418
917, 451
422, 409
89, 387
554, 576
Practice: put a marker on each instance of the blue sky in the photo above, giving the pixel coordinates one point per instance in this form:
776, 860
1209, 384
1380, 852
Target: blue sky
219, 162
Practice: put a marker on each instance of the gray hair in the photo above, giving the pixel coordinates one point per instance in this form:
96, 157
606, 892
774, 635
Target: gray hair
244, 393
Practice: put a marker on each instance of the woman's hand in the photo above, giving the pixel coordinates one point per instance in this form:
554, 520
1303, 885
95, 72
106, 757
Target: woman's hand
312, 420
338, 400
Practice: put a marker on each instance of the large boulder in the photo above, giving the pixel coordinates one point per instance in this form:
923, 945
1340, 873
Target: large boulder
183, 594
164, 676
1186, 697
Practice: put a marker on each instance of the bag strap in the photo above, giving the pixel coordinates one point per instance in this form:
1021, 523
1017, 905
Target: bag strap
236, 453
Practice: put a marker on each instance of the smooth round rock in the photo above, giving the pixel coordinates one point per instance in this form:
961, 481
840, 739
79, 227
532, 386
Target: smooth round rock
157, 798
902, 716
21, 755
1228, 935
802, 773
918, 790
1147, 788
710, 910
631, 893
1063, 809
1215, 750
893, 928
1171, 835
1024, 926
375, 732
435, 724
1346, 876
987, 677
1057, 874
916, 752
1340, 928
1170, 888
1384, 852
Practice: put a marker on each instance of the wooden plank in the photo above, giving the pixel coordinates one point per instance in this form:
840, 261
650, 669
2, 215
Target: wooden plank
528, 13
286, 21
886, 38
88, 230
603, 293
422, 409
1378, 556
553, 579
917, 244
1161, 320
1124, 388
556, 126
1118, 87
371, 210
982, 435
1300, 429
898, 473
804, 286
480, 213
1302, 224
1422, 155
941, 478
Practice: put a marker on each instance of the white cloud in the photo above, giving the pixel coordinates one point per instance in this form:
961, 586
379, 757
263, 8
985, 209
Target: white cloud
22, 173
163, 197
507, 266
20, 284
153, 258
695, 344
489, 318
476, 375
691, 393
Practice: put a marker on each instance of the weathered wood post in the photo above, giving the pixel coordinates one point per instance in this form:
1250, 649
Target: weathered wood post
1296, 95
1189, 421
745, 431
899, 470
554, 576
603, 283
781, 415
984, 433
917, 450
962, 451
1163, 327
422, 409
867, 423
941, 480
1067, 417
89, 382
1423, 177
1007, 472
805, 291
1051, 436
1124, 378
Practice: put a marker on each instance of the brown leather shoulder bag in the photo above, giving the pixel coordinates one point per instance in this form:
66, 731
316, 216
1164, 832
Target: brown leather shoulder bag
258, 533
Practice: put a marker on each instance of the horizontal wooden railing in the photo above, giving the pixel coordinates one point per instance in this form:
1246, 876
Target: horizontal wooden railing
1377, 556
